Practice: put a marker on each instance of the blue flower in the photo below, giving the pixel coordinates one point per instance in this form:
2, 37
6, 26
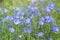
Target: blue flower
35, 5
11, 30
42, 19
38, 14
9, 18
42, 1
41, 22
42, 9
24, 30
16, 16
29, 7
29, 30
31, 16
33, 9
34, 1
27, 21
49, 19
55, 28
40, 34
16, 21
5, 10
21, 22
28, 24
21, 17
26, 10
4, 19
16, 8
49, 38
52, 19
20, 13
52, 6
48, 9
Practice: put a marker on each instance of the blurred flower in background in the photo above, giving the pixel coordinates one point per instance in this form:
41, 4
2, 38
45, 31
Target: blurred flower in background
27, 21
49, 38
41, 22
5, 10
16, 21
3, 20
11, 30
55, 29
40, 34
49, 19
34, 1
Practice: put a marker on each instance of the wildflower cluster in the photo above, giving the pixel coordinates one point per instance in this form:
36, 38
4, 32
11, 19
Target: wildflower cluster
30, 20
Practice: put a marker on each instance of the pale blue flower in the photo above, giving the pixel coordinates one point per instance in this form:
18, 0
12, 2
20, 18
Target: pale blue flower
36, 5
27, 21
33, 9
3, 19
49, 38
20, 13
38, 14
40, 34
21, 17
49, 19
21, 22
29, 30
16, 21
24, 30
11, 30
34, 1
5, 10
16, 16
29, 7
42, 9
42, 1
55, 28
16, 8
48, 9
41, 22
9, 18
31, 16
42, 19
52, 6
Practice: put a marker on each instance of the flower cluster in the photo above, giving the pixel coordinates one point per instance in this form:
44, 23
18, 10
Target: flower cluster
30, 16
